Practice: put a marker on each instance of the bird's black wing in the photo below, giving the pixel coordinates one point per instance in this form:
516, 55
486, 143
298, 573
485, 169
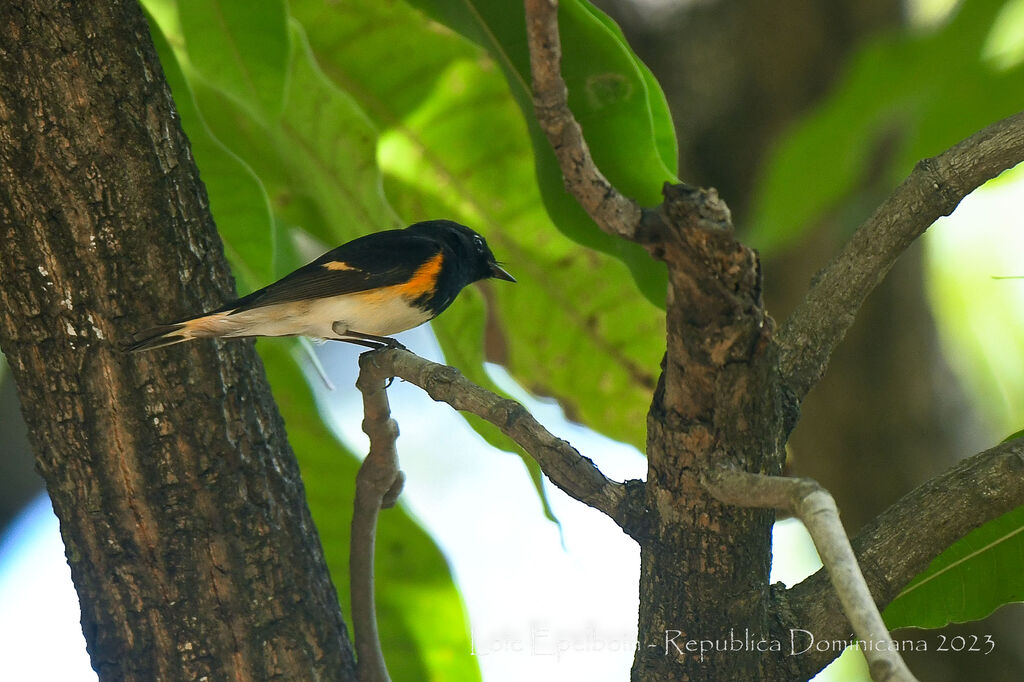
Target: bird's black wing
376, 260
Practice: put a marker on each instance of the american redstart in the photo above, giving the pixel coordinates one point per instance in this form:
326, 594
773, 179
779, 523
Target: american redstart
361, 292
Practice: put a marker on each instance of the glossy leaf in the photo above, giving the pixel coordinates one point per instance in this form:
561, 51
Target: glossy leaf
316, 159
573, 327
240, 48
975, 576
617, 102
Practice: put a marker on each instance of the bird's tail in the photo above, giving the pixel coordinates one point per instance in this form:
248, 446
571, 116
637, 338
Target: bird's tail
157, 337
176, 332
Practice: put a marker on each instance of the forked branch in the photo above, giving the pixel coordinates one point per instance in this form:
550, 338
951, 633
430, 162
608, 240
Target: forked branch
379, 481
563, 464
814, 506
933, 189
939, 512
378, 485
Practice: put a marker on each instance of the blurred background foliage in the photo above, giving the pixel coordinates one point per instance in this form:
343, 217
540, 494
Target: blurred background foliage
315, 121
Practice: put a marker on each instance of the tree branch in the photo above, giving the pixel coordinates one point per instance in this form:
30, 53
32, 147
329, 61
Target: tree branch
814, 506
932, 190
378, 485
941, 511
613, 212
575, 474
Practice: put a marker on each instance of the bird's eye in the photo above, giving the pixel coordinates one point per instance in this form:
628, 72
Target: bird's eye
478, 243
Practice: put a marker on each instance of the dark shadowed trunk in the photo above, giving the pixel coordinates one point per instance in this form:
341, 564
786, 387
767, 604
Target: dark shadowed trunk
180, 501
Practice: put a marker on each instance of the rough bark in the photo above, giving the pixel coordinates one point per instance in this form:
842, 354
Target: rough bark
704, 565
180, 502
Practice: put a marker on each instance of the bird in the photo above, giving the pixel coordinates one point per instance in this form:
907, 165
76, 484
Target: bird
361, 292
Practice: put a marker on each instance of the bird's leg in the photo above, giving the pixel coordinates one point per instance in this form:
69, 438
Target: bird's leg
366, 344
368, 340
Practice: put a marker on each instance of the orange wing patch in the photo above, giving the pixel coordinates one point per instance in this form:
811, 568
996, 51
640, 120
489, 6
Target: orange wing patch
424, 279
339, 265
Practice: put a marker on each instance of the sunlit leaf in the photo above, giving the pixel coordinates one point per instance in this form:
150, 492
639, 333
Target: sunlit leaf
573, 327
240, 47
317, 159
623, 114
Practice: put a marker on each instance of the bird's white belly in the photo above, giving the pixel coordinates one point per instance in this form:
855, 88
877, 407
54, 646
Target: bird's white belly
373, 313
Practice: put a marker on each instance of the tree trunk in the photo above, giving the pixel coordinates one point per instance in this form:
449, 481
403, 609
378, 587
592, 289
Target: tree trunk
704, 565
180, 502
741, 76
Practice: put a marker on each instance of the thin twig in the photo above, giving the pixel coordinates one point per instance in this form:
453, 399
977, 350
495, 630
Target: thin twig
613, 212
940, 511
575, 474
813, 505
932, 190
378, 484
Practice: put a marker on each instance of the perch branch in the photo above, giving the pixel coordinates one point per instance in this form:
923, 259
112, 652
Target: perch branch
938, 512
814, 506
378, 485
562, 463
932, 190
613, 212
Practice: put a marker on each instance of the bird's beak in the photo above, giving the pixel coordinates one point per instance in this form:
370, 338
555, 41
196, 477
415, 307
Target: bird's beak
498, 272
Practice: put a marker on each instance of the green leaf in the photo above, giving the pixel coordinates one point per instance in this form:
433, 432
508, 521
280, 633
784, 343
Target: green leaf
614, 97
237, 198
1014, 436
661, 118
240, 47
355, 45
976, 575
573, 310
894, 107
316, 159
569, 326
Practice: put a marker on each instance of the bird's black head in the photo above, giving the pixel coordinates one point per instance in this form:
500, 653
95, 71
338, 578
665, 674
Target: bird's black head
470, 248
